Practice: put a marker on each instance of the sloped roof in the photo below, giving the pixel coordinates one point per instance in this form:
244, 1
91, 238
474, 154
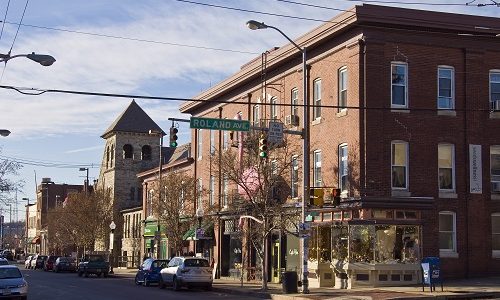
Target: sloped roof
132, 119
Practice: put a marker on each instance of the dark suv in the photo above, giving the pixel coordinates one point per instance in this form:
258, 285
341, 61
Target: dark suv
40, 261
49, 263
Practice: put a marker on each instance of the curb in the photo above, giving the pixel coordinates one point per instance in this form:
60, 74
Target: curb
225, 290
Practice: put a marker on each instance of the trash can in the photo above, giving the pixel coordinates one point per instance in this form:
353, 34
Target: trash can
289, 282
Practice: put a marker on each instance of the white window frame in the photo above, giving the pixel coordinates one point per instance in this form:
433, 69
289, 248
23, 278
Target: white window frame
491, 82
317, 169
494, 150
453, 251
212, 190
274, 108
495, 252
212, 142
452, 167
343, 173
342, 88
393, 143
199, 193
294, 177
452, 87
294, 100
405, 85
317, 98
199, 146
256, 115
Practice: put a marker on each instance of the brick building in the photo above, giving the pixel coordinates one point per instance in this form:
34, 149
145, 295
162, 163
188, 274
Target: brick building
404, 108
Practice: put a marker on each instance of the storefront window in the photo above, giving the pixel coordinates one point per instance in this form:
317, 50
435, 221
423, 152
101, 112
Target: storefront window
339, 242
397, 244
361, 244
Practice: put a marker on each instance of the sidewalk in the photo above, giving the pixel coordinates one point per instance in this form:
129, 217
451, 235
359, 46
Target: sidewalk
477, 288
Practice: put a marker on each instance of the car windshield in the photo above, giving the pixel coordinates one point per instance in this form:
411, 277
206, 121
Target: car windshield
3, 262
65, 259
6, 273
160, 263
196, 263
96, 258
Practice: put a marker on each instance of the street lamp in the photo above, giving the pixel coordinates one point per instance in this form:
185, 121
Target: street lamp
112, 226
86, 180
43, 59
4, 132
254, 25
160, 165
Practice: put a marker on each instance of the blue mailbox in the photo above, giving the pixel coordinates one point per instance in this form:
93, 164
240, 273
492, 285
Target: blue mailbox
431, 272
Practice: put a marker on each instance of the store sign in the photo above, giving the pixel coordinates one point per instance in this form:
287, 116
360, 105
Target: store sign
475, 169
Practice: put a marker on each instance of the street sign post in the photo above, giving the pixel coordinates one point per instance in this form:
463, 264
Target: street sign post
219, 124
275, 134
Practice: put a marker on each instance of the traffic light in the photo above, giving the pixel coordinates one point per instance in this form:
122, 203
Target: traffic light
336, 197
317, 197
263, 146
173, 137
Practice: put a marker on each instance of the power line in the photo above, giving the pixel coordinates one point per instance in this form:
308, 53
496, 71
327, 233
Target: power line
41, 163
409, 3
19, 26
4, 18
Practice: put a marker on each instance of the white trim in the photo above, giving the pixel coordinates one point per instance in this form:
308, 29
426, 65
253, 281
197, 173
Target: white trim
453, 251
199, 144
452, 98
405, 65
296, 105
315, 165
453, 189
315, 99
342, 70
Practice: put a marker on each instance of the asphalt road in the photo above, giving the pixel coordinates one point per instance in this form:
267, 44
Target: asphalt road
63, 286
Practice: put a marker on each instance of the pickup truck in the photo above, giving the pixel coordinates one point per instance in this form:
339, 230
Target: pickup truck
93, 264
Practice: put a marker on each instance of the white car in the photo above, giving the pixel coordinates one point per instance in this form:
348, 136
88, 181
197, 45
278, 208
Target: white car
186, 271
12, 283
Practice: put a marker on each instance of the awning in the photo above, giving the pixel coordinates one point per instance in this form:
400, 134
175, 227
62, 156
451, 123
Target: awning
36, 240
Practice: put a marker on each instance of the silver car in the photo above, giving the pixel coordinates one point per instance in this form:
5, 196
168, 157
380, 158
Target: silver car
187, 271
12, 283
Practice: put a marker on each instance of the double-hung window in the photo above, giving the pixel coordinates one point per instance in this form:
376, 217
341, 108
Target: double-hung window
343, 168
317, 168
495, 89
446, 87
295, 102
447, 232
199, 149
212, 142
495, 168
295, 177
446, 161
256, 115
342, 82
399, 82
274, 108
317, 98
225, 185
399, 164
495, 234
149, 203
212, 190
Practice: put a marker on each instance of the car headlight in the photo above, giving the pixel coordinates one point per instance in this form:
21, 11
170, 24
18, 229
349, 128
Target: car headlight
22, 285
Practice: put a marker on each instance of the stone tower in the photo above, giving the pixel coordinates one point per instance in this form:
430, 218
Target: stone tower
129, 150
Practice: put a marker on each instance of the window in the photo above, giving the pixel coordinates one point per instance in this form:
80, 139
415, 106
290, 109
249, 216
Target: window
295, 102
107, 157
399, 81
295, 177
212, 142
446, 88
343, 168
212, 191
342, 78
146, 152
446, 167
112, 155
274, 108
495, 168
199, 149
495, 234
447, 232
274, 167
199, 192
225, 138
225, 184
399, 162
128, 151
317, 98
494, 85
256, 115
317, 168
149, 203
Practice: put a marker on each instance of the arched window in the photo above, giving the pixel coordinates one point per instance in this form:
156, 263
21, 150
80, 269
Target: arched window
112, 156
146, 152
128, 151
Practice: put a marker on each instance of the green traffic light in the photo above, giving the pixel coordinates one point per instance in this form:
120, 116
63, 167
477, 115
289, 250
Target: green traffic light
173, 144
263, 154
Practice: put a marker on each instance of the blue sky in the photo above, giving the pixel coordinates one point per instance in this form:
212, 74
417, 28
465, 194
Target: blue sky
62, 128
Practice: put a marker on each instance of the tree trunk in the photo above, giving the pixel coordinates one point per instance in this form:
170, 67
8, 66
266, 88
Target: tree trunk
264, 264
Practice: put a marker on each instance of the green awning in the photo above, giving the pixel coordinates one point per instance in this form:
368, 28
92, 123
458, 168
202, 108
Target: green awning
189, 235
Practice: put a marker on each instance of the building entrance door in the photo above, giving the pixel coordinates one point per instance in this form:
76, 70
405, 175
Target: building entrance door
275, 262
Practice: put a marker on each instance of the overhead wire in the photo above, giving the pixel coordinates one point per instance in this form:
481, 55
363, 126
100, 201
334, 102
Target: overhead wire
19, 26
44, 163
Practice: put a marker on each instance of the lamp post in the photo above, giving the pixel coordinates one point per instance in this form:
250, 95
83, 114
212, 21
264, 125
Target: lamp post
43, 59
86, 179
160, 165
4, 132
254, 25
112, 226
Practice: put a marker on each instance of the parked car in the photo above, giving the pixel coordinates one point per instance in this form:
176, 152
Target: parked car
7, 254
3, 262
12, 283
149, 271
65, 264
49, 262
27, 262
38, 261
93, 264
187, 271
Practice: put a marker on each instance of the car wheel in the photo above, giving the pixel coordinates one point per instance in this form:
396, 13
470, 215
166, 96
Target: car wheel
86, 274
161, 283
136, 280
99, 275
176, 286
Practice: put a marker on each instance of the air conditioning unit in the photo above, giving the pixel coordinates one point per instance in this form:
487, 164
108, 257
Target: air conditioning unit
495, 105
495, 186
292, 120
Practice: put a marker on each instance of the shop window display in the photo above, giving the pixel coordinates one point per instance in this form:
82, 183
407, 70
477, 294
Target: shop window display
361, 245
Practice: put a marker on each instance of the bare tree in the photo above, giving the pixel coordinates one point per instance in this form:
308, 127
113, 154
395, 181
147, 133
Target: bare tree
9, 168
263, 191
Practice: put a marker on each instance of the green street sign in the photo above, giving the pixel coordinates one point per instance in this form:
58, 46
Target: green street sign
219, 124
